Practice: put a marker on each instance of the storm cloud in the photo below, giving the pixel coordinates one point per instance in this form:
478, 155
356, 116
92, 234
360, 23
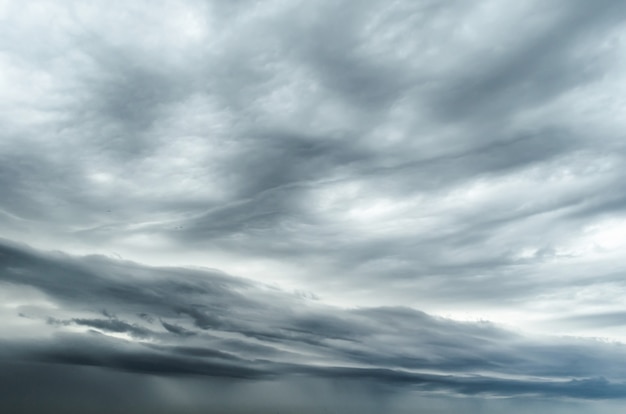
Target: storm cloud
416, 199
218, 326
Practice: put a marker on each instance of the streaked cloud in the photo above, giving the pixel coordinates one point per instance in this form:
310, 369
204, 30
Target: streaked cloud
413, 194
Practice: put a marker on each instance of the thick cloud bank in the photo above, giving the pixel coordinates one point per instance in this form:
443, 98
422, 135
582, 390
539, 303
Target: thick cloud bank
123, 317
382, 177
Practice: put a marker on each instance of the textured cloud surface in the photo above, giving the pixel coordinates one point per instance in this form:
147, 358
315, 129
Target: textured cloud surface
419, 201
180, 323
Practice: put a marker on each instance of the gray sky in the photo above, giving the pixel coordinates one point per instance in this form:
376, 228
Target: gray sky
313, 204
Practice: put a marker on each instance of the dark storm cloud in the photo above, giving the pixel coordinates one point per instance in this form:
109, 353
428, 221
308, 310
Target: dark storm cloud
279, 335
466, 159
175, 329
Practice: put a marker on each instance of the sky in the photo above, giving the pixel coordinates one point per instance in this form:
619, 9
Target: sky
240, 206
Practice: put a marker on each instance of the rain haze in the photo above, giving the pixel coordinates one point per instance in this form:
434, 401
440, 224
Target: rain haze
329, 206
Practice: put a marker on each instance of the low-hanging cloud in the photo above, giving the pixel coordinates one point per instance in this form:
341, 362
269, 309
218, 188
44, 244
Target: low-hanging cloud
373, 172
215, 325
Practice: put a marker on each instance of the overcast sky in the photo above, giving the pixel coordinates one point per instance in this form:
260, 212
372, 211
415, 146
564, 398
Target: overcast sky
404, 206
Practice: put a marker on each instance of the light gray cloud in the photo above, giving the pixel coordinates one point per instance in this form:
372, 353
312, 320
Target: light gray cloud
462, 159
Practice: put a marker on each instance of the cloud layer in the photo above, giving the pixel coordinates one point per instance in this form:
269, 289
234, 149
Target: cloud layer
372, 172
99, 312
